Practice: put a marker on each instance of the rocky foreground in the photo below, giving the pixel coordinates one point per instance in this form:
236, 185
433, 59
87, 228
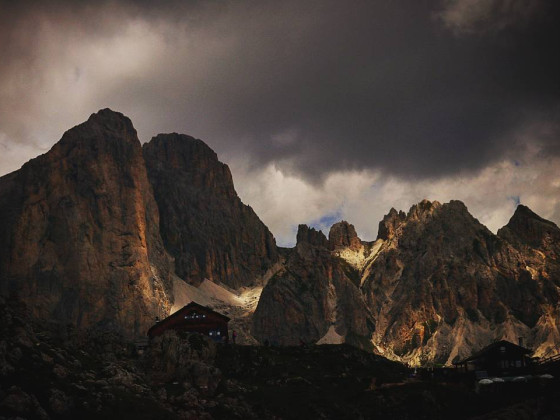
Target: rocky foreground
54, 371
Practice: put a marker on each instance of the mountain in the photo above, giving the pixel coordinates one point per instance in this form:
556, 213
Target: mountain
101, 232
436, 283
313, 298
204, 225
79, 238
527, 230
443, 285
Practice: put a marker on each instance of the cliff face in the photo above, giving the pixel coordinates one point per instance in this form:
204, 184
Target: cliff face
314, 298
343, 235
79, 239
204, 225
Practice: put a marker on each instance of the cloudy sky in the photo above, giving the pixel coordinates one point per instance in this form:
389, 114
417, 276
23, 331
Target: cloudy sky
324, 110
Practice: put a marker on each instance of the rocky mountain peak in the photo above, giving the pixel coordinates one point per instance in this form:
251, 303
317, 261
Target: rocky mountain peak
80, 231
190, 158
453, 213
113, 125
343, 235
205, 226
528, 228
524, 218
104, 133
390, 223
423, 209
311, 236
110, 119
181, 150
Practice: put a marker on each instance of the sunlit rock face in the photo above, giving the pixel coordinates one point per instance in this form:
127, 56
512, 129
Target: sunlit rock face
443, 286
314, 297
206, 228
79, 238
342, 235
390, 223
434, 287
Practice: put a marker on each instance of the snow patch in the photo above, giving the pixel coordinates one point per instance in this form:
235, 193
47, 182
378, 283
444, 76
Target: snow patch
361, 259
214, 295
239, 306
354, 258
370, 259
331, 337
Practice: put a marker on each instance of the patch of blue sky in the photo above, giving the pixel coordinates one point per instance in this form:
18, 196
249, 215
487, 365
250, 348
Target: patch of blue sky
516, 199
326, 221
323, 223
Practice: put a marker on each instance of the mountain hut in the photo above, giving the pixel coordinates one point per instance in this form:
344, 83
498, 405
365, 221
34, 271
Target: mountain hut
501, 358
194, 318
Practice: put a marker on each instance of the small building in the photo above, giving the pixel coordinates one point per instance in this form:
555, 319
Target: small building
194, 318
501, 358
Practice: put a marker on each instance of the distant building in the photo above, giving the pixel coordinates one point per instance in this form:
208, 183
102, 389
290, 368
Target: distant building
501, 358
194, 318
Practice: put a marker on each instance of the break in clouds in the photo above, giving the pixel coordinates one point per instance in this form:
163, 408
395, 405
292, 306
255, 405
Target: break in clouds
324, 110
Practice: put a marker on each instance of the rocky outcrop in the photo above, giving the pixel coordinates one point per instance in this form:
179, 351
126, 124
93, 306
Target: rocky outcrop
50, 371
314, 297
179, 357
343, 235
79, 238
390, 223
443, 286
204, 225
526, 229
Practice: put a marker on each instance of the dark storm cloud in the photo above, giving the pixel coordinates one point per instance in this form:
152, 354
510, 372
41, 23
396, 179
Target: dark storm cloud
385, 86
414, 88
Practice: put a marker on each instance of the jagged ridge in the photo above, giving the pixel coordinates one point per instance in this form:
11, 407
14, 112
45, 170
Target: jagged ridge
81, 241
437, 283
